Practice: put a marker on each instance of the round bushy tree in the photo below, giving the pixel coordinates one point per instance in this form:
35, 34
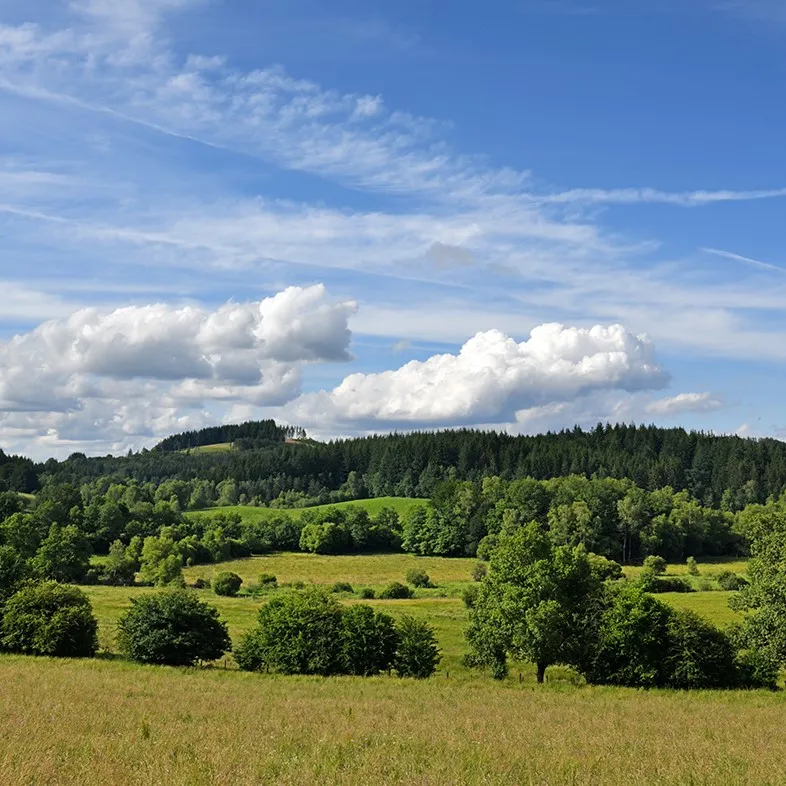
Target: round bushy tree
370, 640
227, 584
49, 619
396, 591
173, 628
418, 578
656, 564
417, 653
297, 633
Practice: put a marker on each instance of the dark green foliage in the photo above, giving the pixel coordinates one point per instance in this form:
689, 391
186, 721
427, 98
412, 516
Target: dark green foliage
395, 591
227, 584
367, 593
342, 586
417, 653
13, 572
730, 581
63, 556
254, 433
632, 640
296, 633
267, 580
172, 628
370, 640
49, 619
201, 583
605, 569
470, 595
418, 578
699, 655
671, 584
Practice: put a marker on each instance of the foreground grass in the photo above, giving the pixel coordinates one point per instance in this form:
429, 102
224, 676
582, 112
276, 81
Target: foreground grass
110, 722
402, 506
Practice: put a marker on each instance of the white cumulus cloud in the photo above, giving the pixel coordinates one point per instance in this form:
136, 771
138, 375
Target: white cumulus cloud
141, 370
492, 377
684, 402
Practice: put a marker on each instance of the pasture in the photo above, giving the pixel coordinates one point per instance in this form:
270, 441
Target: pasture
402, 506
111, 722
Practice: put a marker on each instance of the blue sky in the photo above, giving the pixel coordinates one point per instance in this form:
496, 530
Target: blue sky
213, 210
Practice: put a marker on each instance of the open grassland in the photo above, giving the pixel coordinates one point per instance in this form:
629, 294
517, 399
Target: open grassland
110, 722
707, 569
216, 447
360, 570
442, 606
402, 506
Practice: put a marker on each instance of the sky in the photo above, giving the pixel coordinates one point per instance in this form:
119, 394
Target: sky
371, 216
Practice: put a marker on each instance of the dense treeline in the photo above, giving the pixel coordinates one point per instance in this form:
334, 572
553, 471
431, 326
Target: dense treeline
17, 474
610, 517
727, 471
251, 434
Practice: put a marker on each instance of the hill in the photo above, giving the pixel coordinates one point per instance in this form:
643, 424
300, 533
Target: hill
412, 465
252, 434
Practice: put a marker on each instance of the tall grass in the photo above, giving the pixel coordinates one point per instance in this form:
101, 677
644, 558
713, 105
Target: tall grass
108, 722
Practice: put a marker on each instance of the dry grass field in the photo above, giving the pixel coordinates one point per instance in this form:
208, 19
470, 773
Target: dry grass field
109, 722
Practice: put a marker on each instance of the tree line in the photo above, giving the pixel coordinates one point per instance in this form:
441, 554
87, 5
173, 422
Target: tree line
717, 471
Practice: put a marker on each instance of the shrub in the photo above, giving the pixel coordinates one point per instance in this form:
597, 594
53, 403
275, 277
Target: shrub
418, 578
699, 654
479, 571
469, 595
297, 633
227, 584
367, 593
201, 583
604, 569
756, 668
656, 564
50, 619
396, 591
173, 628
731, 582
486, 546
693, 566
267, 580
671, 584
417, 654
369, 640
342, 586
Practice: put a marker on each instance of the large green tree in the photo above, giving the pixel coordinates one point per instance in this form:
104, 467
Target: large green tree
538, 602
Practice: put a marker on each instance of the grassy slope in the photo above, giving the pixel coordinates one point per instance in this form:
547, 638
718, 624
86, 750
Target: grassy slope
401, 505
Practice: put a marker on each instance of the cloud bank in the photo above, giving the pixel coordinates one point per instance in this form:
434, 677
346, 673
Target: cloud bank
492, 377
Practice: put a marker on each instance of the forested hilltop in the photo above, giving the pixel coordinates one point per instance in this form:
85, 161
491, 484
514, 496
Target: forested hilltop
244, 436
718, 471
